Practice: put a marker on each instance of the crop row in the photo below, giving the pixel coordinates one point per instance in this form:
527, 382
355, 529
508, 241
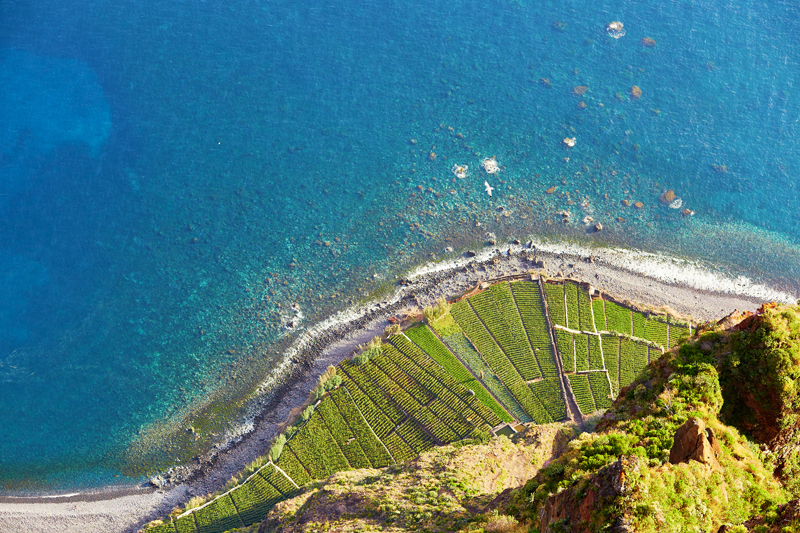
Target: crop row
500, 329
372, 447
555, 303
275, 478
316, 449
466, 407
642, 355
508, 309
531, 309
436, 380
398, 447
254, 499
581, 352
585, 310
398, 376
598, 382
382, 399
439, 429
186, 524
639, 322
596, 360
630, 361
462, 347
618, 318
289, 463
378, 421
676, 333
446, 387
395, 393
573, 315
427, 341
548, 391
460, 424
497, 360
218, 516
582, 392
566, 347
414, 436
343, 434
611, 356
656, 331
599, 312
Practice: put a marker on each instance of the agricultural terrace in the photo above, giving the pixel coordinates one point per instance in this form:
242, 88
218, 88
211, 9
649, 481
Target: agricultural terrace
516, 352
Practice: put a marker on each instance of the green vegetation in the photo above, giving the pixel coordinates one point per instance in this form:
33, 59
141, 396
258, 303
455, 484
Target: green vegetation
555, 303
498, 312
585, 310
634, 440
566, 347
596, 359
436, 312
618, 318
599, 312
583, 394
497, 360
529, 302
478, 363
581, 352
416, 393
428, 342
573, 315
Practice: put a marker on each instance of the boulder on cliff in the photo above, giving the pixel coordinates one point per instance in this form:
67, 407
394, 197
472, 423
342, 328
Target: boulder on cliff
693, 441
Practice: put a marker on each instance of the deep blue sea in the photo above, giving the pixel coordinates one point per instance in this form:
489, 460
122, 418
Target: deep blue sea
176, 176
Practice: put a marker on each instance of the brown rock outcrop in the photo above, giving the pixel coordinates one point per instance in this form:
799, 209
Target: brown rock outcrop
575, 509
694, 441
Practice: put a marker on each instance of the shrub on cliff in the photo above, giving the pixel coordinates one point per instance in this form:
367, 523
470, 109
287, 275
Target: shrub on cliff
277, 448
436, 312
760, 384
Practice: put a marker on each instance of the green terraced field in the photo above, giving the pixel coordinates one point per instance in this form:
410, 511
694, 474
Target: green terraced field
498, 361
495, 361
461, 347
585, 310
581, 352
599, 312
528, 298
427, 341
566, 348
618, 318
498, 312
601, 392
596, 359
582, 392
573, 315
555, 303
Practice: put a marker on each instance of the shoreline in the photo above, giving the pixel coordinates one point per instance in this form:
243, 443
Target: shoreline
127, 509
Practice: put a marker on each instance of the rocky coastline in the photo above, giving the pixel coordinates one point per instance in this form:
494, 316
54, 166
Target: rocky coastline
130, 508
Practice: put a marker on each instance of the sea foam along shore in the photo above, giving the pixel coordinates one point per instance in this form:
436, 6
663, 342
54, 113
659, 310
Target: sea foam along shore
651, 279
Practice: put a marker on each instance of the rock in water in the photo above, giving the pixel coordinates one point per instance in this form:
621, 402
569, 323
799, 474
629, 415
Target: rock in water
694, 441
668, 198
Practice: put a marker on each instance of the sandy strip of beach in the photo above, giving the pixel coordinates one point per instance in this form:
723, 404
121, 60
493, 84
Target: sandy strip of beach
678, 286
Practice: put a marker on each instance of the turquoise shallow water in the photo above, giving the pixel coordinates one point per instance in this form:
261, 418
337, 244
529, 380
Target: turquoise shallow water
174, 177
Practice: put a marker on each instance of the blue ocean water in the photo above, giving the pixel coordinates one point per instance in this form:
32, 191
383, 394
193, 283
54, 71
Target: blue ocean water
175, 177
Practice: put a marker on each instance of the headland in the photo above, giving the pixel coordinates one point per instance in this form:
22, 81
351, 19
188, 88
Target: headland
648, 280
